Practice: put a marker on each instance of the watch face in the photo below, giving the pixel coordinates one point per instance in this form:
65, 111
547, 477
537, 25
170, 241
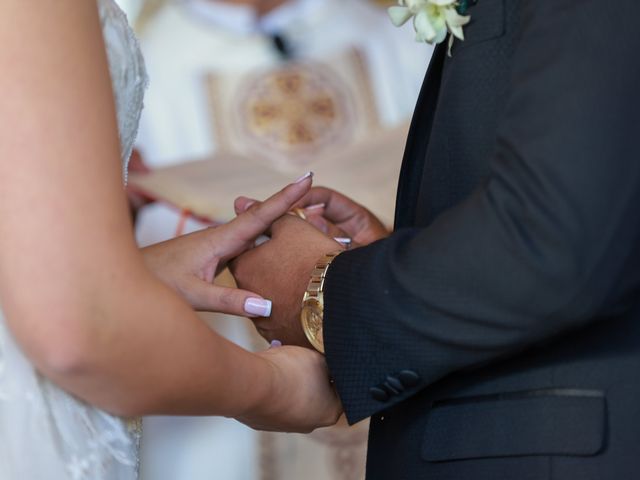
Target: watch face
312, 323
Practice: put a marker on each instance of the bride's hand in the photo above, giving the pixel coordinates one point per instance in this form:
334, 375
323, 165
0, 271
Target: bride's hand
301, 397
190, 263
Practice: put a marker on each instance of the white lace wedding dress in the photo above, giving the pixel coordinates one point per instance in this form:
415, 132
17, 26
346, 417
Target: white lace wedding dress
45, 433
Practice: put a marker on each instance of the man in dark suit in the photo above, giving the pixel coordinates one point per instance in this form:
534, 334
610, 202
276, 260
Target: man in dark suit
496, 332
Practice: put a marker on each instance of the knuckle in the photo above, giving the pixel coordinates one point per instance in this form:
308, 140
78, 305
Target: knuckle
257, 215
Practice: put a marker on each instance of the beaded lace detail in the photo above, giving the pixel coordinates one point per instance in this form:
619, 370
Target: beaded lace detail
128, 74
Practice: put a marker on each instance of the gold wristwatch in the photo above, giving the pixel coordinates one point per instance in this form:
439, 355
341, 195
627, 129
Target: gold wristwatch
313, 302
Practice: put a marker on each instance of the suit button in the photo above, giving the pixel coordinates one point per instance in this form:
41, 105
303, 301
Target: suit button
389, 388
395, 383
379, 394
409, 378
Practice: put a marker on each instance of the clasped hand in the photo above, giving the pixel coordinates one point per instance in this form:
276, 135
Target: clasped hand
279, 270
300, 397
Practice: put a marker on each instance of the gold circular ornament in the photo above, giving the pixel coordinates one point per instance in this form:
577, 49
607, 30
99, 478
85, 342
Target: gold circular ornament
311, 316
295, 112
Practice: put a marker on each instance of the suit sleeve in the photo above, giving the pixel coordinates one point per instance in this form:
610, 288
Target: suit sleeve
543, 246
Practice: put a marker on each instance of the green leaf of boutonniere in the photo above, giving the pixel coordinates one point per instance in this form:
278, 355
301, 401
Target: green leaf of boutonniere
463, 7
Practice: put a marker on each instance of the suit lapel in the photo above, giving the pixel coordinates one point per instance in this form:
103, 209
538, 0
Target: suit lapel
418, 140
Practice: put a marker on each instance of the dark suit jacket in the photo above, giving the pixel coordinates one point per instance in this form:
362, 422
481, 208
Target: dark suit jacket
496, 333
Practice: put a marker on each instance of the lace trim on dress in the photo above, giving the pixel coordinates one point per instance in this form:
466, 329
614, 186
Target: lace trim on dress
128, 75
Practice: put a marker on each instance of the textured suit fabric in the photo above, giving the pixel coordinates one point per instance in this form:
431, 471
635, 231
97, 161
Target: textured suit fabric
511, 285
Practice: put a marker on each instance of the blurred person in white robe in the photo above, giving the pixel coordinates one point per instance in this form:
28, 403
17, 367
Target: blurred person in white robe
190, 46
188, 39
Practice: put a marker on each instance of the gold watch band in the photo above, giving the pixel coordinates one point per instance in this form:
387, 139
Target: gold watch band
312, 312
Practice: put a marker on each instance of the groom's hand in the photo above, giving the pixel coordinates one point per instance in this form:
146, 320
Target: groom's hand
334, 214
338, 215
280, 269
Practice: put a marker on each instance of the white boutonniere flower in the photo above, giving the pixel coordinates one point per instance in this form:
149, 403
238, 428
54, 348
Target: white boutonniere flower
432, 19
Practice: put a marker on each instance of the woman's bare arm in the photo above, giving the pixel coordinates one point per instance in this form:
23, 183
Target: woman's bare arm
73, 284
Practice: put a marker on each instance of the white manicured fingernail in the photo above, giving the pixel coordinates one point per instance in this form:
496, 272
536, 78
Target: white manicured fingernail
304, 177
343, 240
275, 344
317, 206
257, 306
260, 240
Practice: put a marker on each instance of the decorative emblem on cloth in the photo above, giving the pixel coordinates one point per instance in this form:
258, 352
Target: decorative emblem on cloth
296, 110
294, 113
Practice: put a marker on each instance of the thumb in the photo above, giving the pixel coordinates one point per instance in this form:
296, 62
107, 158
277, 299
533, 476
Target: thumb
234, 301
242, 204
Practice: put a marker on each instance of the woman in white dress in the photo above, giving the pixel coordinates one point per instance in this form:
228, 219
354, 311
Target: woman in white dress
91, 325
